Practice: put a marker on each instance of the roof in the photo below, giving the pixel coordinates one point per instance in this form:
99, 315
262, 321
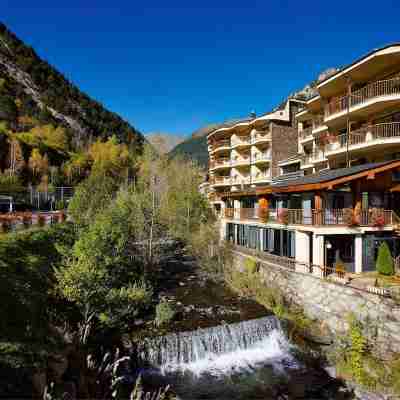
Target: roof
331, 174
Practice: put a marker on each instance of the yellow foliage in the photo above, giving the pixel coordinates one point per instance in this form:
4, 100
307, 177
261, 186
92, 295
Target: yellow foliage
109, 157
37, 163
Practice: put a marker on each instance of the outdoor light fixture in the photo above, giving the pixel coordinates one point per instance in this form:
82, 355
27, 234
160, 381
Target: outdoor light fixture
328, 245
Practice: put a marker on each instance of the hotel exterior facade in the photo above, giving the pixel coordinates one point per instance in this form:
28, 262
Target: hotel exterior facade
317, 181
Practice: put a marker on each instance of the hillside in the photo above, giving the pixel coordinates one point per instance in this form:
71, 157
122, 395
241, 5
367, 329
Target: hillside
42, 112
164, 142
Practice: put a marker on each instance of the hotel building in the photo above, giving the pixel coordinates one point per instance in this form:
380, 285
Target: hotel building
317, 181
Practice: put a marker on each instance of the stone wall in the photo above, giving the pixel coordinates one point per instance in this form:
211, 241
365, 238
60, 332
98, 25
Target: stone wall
331, 303
284, 144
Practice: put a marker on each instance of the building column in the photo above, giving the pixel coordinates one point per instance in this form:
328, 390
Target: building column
302, 246
261, 237
358, 259
318, 253
236, 209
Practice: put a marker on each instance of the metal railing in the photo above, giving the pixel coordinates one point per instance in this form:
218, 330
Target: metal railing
241, 160
221, 143
305, 133
265, 156
240, 140
318, 121
314, 156
220, 162
372, 217
260, 136
376, 89
366, 134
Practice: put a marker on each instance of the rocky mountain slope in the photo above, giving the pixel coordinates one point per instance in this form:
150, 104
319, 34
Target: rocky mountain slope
32, 89
164, 142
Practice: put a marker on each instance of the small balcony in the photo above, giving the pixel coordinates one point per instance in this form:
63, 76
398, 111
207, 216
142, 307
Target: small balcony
221, 145
306, 134
220, 163
221, 181
261, 177
241, 141
261, 157
372, 135
380, 91
241, 161
318, 124
240, 180
315, 157
242, 213
260, 137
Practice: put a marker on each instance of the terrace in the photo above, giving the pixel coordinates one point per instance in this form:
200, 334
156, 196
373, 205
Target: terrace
384, 91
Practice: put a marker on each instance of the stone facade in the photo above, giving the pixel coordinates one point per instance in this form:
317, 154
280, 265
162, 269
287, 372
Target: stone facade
284, 143
330, 303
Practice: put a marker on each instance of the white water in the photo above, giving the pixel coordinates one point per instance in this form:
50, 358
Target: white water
272, 350
222, 350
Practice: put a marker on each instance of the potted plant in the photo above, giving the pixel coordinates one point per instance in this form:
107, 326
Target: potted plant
283, 216
264, 214
348, 216
377, 217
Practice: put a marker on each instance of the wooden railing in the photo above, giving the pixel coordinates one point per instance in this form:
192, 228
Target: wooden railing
376, 89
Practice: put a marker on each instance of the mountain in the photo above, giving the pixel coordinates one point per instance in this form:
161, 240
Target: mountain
33, 93
196, 147
164, 142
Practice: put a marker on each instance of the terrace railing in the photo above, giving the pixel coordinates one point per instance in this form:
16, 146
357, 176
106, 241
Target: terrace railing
376, 89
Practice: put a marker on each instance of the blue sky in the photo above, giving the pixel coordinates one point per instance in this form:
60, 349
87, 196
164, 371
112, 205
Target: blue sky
175, 66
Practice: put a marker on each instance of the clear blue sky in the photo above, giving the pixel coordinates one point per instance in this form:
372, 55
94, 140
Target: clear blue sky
176, 65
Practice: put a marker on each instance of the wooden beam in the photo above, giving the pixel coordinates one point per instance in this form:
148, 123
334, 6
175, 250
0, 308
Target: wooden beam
371, 175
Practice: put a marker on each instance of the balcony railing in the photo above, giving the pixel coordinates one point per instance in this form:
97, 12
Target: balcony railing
241, 140
260, 136
376, 89
318, 121
305, 133
261, 176
241, 160
239, 180
221, 180
265, 156
221, 143
220, 162
372, 217
367, 134
313, 157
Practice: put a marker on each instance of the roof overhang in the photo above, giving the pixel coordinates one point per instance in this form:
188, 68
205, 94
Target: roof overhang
361, 70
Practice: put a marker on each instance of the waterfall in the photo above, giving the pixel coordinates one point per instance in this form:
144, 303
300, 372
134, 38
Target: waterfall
218, 347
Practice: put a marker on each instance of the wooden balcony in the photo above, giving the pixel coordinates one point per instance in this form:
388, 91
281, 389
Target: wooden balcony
339, 217
373, 217
384, 88
367, 135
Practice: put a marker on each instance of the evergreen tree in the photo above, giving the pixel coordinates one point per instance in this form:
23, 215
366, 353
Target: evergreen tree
384, 262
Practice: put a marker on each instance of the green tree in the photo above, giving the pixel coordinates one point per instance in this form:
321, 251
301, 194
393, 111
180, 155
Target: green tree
384, 262
91, 197
98, 278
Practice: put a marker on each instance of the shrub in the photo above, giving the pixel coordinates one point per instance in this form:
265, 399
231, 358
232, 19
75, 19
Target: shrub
384, 262
60, 205
251, 265
283, 216
41, 220
165, 313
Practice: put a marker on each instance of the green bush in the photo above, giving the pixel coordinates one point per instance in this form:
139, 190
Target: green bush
165, 313
251, 265
384, 262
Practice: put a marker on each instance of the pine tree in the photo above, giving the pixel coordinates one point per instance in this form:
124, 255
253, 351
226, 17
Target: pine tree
384, 262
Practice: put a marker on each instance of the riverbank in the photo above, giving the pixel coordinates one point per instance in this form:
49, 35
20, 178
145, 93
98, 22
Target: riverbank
354, 331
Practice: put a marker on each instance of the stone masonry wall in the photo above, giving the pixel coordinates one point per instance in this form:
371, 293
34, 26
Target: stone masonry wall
331, 303
284, 144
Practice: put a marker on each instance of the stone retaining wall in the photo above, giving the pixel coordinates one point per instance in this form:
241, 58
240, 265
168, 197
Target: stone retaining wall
331, 303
